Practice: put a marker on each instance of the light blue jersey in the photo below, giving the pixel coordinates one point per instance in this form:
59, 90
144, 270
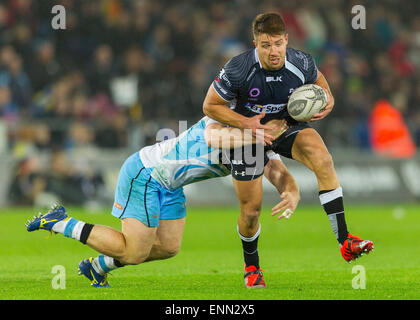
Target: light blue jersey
150, 181
185, 159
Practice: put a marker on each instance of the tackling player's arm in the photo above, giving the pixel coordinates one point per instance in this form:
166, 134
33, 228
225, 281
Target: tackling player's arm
322, 82
216, 108
219, 136
276, 172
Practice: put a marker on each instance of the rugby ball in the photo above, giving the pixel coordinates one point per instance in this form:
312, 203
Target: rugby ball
305, 101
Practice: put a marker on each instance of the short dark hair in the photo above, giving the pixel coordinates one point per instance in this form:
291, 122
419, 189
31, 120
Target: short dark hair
270, 23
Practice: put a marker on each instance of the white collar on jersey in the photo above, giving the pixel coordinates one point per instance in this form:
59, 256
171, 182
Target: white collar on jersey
257, 58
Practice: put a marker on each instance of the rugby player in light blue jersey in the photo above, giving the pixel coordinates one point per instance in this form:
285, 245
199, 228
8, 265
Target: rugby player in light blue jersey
150, 202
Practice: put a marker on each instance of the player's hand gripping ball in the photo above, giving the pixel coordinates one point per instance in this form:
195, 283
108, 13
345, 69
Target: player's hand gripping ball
306, 101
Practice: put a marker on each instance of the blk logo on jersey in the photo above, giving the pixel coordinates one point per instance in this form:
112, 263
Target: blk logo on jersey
271, 79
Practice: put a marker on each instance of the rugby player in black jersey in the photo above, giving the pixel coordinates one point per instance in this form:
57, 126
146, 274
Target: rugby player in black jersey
253, 88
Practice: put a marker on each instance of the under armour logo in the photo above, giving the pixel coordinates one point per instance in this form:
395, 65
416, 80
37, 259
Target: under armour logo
242, 173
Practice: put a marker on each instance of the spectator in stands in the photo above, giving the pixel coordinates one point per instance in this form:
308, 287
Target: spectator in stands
45, 68
28, 181
63, 180
8, 107
101, 70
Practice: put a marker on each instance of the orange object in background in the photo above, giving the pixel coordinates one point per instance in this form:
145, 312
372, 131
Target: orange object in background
388, 132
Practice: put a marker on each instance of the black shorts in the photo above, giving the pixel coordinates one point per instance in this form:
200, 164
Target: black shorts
283, 144
245, 163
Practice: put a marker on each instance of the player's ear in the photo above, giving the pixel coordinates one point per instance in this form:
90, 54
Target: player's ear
286, 38
255, 42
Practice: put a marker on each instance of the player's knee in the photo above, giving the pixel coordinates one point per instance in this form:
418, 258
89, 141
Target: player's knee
323, 161
250, 212
167, 248
316, 158
134, 258
250, 207
170, 251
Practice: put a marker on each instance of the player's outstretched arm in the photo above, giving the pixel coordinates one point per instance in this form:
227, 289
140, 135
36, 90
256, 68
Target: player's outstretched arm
277, 173
215, 107
322, 82
219, 136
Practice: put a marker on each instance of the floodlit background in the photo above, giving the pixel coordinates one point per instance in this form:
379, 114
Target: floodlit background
75, 102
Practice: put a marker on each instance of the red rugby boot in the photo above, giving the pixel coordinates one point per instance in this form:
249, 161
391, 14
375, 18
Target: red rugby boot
254, 278
353, 248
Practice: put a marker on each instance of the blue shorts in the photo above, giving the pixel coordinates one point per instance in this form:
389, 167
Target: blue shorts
140, 196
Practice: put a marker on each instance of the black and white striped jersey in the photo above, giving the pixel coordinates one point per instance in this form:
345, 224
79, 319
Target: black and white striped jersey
250, 89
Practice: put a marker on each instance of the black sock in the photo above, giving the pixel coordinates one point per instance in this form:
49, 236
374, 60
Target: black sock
87, 228
332, 202
250, 249
117, 263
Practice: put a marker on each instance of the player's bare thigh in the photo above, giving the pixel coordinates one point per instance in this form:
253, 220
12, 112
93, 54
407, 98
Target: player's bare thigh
310, 150
308, 144
249, 191
139, 240
143, 243
168, 239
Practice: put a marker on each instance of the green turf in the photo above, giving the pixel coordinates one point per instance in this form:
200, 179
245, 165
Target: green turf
300, 258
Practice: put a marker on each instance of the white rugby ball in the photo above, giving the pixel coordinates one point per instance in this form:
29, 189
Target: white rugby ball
305, 101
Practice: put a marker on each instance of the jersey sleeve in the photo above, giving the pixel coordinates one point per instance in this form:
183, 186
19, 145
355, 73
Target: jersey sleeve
306, 64
223, 84
233, 75
311, 73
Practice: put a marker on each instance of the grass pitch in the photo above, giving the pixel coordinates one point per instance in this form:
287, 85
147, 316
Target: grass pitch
300, 258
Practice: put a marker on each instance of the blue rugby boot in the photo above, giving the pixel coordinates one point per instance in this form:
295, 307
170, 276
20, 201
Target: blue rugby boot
48, 220
97, 280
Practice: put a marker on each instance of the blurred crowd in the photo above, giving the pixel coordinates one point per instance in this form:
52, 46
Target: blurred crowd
123, 69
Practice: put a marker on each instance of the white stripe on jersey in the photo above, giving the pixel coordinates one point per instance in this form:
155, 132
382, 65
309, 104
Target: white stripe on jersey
291, 67
257, 58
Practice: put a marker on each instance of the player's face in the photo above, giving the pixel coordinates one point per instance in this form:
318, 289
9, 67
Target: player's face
271, 50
